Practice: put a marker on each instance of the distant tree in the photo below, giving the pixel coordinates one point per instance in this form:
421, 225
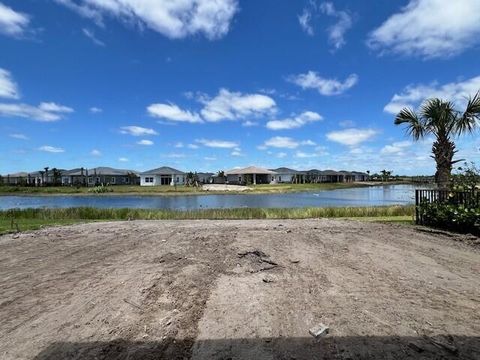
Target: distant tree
45, 182
440, 119
42, 176
221, 173
57, 176
368, 174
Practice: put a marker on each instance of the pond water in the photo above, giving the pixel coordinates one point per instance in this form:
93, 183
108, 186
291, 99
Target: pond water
364, 196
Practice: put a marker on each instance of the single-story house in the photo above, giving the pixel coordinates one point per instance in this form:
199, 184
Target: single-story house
100, 176
19, 178
360, 176
250, 175
162, 176
205, 178
286, 175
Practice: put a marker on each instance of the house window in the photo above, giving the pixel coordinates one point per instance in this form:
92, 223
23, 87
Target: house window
178, 179
90, 180
149, 180
113, 180
279, 178
97, 180
239, 179
127, 180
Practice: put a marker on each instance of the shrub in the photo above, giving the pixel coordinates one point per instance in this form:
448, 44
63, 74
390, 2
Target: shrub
100, 189
453, 217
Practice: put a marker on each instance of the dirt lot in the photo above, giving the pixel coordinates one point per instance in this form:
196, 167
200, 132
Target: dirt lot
238, 290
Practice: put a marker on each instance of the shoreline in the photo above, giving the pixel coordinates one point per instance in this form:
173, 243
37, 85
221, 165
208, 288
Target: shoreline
282, 189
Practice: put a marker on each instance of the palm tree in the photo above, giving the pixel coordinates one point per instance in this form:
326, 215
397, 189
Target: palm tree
46, 176
440, 119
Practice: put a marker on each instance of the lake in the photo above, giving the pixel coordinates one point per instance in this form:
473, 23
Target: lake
362, 196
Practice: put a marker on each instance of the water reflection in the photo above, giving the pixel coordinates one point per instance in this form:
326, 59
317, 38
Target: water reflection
367, 196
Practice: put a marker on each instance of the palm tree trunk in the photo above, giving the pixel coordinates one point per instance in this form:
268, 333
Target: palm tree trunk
443, 151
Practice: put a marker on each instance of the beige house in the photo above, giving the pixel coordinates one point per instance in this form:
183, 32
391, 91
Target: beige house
250, 175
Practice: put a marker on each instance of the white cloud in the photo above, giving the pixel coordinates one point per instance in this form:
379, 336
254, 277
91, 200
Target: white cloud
249, 123
237, 152
45, 112
327, 87
174, 19
281, 142
430, 28
137, 131
13, 23
95, 110
96, 152
193, 146
210, 158
351, 137
122, 159
54, 108
413, 95
221, 144
296, 122
91, 35
235, 105
145, 142
8, 87
281, 155
396, 148
175, 156
51, 149
19, 136
173, 113
305, 21
336, 32
178, 145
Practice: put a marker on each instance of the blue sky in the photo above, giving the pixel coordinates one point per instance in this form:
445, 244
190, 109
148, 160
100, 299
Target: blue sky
208, 85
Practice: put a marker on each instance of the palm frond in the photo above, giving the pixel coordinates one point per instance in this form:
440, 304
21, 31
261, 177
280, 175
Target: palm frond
415, 125
470, 120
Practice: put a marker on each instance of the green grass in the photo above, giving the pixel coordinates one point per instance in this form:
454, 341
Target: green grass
29, 219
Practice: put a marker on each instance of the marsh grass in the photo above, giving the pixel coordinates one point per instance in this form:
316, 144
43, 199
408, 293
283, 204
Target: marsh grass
88, 213
31, 219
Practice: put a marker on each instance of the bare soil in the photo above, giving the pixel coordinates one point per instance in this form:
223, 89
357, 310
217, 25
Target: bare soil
239, 290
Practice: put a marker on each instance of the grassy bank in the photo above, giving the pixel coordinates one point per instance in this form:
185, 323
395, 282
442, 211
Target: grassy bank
170, 190
29, 219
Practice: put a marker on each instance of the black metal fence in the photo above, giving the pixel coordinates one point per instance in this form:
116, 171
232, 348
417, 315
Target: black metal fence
460, 198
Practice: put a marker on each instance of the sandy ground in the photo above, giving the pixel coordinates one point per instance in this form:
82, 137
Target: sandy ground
225, 187
238, 290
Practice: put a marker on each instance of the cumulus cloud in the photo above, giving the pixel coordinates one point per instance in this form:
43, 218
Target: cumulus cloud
174, 19
351, 137
13, 23
18, 136
145, 142
122, 159
172, 112
96, 152
430, 29
336, 32
51, 149
221, 144
91, 35
295, 122
8, 87
229, 105
95, 110
284, 142
396, 148
137, 130
327, 87
413, 95
46, 112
